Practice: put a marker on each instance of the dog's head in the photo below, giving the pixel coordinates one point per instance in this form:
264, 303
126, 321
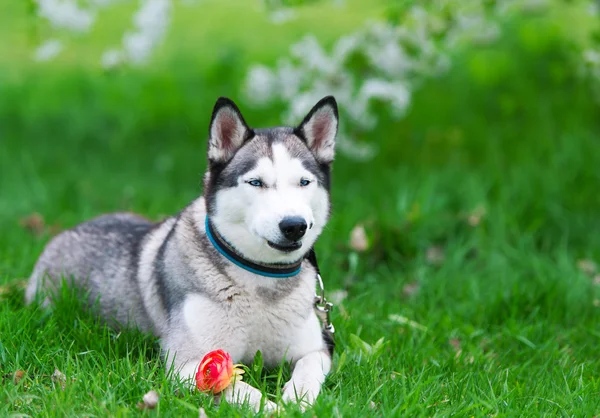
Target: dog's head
267, 190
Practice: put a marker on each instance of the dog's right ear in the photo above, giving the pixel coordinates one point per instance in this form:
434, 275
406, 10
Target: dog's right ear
228, 131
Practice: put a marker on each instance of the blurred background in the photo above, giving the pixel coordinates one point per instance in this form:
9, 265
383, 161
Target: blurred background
466, 193
469, 128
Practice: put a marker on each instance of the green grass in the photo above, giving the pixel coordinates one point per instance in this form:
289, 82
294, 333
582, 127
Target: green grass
506, 324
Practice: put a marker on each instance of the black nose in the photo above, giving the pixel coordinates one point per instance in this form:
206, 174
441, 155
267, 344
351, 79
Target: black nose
293, 227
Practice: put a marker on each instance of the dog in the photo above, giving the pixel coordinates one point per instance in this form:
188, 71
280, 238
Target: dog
230, 270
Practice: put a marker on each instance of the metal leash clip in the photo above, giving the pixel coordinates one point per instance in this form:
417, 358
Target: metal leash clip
323, 308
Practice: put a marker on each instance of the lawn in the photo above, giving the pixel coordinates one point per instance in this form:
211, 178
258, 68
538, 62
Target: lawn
478, 294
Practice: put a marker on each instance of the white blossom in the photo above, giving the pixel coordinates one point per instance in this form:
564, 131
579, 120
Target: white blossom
153, 16
48, 50
137, 46
261, 84
311, 73
473, 28
290, 79
151, 22
393, 60
281, 16
111, 58
66, 14
312, 55
396, 93
346, 46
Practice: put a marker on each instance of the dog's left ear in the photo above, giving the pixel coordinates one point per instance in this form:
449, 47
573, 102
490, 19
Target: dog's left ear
228, 131
319, 128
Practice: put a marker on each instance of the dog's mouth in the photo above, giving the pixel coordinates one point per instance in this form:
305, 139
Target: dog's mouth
286, 248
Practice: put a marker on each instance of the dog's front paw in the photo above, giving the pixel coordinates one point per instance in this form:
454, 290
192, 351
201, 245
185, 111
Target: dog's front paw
302, 392
186, 374
241, 393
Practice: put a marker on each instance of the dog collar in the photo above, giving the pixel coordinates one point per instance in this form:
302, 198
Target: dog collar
277, 270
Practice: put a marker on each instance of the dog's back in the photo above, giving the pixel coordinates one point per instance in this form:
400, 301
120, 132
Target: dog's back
100, 258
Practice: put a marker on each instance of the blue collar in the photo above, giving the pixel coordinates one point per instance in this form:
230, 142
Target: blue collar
275, 270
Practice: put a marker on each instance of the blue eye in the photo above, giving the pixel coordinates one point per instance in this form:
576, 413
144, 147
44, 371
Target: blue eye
255, 183
304, 182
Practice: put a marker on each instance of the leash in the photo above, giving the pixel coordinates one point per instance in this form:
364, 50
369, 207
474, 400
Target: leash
322, 307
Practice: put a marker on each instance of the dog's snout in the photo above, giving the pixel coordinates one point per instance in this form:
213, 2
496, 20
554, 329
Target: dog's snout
293, 227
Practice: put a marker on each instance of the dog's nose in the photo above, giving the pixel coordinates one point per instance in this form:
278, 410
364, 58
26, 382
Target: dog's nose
293, 227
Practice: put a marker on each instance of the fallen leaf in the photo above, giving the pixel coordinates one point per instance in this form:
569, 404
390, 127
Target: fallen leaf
36, 225
19, 374
60, 378
33, 223
476, 215
455, 343
587, 266
402, 320
149, 401
372, 405
435, 255
358, 239
411, 289
202, 413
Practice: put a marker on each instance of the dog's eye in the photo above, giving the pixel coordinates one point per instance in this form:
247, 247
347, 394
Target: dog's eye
304, 182
255, 183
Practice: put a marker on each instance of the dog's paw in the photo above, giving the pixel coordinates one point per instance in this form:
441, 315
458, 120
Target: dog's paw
187, 373
241, 393
302, 392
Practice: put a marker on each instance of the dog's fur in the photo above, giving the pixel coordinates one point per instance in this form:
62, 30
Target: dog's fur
168, 278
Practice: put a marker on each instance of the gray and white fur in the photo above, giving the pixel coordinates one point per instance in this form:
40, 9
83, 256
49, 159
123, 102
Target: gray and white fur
169, 279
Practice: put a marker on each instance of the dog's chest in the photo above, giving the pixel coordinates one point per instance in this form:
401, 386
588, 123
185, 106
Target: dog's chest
266, 322
250, 315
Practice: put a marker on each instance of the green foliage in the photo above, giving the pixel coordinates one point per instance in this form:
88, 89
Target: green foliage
478, 208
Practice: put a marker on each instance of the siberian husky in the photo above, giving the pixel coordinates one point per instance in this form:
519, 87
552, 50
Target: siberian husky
230, 270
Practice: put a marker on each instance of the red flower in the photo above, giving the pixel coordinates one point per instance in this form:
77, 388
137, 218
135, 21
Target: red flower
216, 372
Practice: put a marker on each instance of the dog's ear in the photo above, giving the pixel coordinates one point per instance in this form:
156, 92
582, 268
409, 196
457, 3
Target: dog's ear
319, 128
228, 131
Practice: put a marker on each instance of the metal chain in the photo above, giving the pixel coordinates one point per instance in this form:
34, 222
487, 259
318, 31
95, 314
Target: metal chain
323, 308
